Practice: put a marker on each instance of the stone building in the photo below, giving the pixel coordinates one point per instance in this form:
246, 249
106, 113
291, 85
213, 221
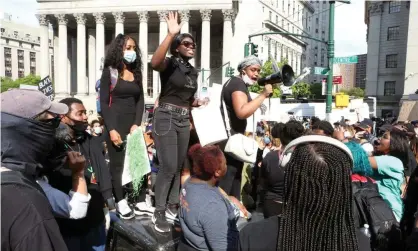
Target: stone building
84, 29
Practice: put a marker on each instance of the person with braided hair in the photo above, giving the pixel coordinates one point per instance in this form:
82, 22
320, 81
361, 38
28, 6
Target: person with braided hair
318, 213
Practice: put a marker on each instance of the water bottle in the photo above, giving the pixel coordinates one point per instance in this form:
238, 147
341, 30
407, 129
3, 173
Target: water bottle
365, 230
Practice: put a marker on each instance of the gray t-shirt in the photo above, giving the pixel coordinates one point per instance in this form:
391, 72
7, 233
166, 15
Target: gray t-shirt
207, 218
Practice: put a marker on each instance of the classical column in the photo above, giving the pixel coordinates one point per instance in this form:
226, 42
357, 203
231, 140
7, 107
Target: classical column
81, 54
100, 42
62, 87
56, 56
205, 53
143, 45
119, 20
227, 40
92, 61
185, 19
44, 34
163, 34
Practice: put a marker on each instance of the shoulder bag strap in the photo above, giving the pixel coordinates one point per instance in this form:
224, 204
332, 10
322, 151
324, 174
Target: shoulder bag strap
226, 117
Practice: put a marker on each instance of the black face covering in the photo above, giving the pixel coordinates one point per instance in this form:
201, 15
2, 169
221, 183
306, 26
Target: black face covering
25, 143
79, 129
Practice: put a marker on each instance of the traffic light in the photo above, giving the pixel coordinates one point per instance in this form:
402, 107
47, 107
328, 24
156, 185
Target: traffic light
229, 71
247, 49
254, 49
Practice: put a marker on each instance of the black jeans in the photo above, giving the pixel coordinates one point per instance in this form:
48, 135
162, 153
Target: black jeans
171, 132
231, 182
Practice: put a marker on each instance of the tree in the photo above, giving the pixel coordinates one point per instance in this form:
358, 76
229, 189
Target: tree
316, 90
267, 69
8, 83
301, 89
354, 92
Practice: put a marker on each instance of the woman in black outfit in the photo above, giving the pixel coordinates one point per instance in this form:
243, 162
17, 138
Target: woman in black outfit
272, 174
240, 107
171, 126
122, 107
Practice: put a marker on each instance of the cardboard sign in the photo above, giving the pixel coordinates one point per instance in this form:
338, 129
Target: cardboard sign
409, 111
45, 86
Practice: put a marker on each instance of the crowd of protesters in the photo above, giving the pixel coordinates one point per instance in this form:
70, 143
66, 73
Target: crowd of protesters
347, 186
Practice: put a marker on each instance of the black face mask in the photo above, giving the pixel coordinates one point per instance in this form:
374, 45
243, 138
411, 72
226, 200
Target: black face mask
79, 129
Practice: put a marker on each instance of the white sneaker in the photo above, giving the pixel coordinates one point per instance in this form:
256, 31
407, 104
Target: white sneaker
124, 210
142, 208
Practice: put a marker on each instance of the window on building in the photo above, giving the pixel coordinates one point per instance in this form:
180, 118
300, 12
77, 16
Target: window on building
21, 73
283, 23
2, 30
293, 29
316, 31
7, 41
15, 33
8, 73
288, 8
317, 21
394, 6
32, 46
27, 35
20, 44
270, 14
277, 19
315, 63
288, 27
389, 88
393, 33
392, 61
263, 9
39, 39
283, 6
49, 41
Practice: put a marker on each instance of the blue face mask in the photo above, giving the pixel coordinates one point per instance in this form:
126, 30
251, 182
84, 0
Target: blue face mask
129, 56
267, 140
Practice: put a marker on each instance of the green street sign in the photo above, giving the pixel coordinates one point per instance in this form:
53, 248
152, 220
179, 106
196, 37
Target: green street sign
346, 60
320, 71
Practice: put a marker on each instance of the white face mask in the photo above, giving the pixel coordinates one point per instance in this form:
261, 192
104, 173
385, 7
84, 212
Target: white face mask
347, 134
129, 56
247, 79
98, 130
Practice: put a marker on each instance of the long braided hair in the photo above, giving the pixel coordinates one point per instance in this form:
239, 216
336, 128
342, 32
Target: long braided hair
318, 196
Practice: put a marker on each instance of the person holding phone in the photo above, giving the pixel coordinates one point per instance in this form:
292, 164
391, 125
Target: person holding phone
171, 125
122, 106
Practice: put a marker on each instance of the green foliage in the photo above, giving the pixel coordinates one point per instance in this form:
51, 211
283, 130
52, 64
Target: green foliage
301, 89
354, 92
267, 69
7, 83
316, 90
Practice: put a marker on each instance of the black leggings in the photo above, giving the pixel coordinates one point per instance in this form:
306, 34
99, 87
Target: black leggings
116, 162
272, 208
231, 182
171, 132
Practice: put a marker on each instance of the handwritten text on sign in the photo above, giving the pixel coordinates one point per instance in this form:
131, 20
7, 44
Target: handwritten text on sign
45, 86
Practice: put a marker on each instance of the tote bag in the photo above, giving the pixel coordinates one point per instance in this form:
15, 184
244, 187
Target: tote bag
239, 146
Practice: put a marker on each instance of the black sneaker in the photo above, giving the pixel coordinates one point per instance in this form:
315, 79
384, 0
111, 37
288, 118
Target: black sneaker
160, 222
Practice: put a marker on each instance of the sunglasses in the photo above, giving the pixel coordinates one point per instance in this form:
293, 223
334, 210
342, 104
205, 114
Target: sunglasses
189, 44
54, 122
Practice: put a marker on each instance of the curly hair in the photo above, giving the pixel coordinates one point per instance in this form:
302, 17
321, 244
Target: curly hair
114, 57
205, 161
318, 196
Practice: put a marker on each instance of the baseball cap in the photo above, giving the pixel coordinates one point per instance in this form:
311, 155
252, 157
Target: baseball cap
29, 103
366, 123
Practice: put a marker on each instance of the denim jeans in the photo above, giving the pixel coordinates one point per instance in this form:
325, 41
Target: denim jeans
171, 132
94, 240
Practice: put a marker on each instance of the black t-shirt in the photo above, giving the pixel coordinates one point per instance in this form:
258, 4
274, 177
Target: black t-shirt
61, 179
27, 222
273, 176
412, 163
263, 235
178, 82
235, 84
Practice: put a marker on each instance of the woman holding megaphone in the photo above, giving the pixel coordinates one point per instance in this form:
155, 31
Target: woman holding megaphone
239, 107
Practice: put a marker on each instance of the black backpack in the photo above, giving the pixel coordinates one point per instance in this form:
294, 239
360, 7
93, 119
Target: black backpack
370, 208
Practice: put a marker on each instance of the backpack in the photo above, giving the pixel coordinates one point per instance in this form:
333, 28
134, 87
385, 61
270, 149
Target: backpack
17, 178
370, 208
114, 76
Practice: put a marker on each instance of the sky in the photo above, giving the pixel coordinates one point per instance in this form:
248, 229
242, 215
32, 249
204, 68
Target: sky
350, 29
